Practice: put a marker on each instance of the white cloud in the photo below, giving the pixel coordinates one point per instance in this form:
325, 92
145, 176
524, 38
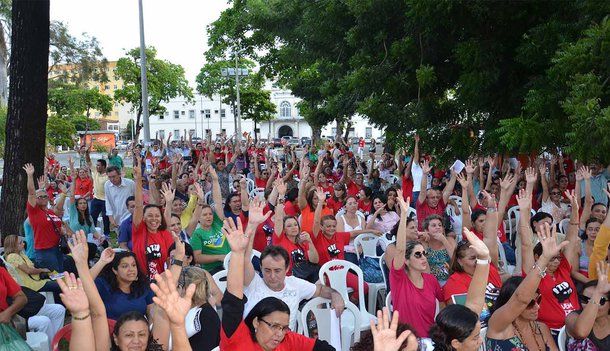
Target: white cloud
177, 29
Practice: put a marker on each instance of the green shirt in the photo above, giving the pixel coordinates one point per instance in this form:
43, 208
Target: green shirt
116, 161
211, 242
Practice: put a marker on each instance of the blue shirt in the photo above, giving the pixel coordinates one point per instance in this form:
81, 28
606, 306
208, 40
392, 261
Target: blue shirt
118, 303
598, 184
125, 231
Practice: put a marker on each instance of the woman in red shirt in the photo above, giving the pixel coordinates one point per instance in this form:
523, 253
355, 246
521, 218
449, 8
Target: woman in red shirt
338, 197
266, 327
150, 239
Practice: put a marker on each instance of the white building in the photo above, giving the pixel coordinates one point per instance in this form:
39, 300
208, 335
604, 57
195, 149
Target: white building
207, 116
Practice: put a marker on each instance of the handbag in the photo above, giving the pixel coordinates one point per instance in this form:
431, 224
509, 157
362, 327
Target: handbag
10, 340
371, 269
63, 241
35, 302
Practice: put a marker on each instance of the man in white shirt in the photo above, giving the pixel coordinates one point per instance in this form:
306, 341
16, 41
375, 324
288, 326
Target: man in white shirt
275, 283
117, 189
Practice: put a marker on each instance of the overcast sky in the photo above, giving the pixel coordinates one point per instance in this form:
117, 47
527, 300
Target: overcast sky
177, 29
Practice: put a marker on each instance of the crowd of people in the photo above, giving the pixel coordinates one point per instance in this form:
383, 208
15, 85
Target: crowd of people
219, 245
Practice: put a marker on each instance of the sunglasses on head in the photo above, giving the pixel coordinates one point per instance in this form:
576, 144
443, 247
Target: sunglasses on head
585, 299
535, 301
420, 254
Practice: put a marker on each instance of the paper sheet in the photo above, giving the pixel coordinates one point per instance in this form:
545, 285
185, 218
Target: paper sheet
335, 330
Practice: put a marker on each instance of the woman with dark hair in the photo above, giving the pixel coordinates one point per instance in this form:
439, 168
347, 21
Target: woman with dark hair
513, 324
382, 219
150, 237
392, 204
308, 202
365, 201
414, 292
588, 327
439, 247
551, 199
267, 325
337, 198
457, 327
131, 331
383, 337
557, 288
303, 255
122, 284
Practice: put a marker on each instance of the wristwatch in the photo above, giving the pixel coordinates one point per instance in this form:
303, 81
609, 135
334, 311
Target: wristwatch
281, 201
177, 262
483, 262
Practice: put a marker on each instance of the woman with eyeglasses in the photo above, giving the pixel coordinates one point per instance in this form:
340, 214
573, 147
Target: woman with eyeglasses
46, 222
588, 328
414, 292
551, 199
557, 288
303, 256
266, 326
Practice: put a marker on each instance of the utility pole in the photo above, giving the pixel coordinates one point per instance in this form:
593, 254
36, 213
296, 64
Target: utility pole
144, 79
237, 72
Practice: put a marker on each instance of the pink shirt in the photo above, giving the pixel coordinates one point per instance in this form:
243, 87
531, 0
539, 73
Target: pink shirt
416, 306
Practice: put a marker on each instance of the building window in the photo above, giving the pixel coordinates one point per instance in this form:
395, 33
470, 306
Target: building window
368, 132
285, 109
115, 86
191, 114
182, 113
106, 86
334, 132
116, 104
176, 134
223, 113
208, 114
97, 114
176, 114
161, 134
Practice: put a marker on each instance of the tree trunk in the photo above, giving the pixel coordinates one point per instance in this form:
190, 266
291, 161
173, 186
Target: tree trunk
3, 68
316, 131
339, 133
27, 107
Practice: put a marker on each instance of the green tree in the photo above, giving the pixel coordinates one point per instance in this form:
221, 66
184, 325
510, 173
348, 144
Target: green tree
67, 100
165, 81
60, 131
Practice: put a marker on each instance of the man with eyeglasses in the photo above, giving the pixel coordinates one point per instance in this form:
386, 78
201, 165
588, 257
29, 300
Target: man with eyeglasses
432, 201
275, 283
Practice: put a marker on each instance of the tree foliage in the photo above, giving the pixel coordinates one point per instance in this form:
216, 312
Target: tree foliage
165, 81
60, 131
69, 100
472, 76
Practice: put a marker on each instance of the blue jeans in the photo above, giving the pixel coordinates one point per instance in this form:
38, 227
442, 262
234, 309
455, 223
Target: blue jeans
51, 258
96, 207
510, 254
414, 198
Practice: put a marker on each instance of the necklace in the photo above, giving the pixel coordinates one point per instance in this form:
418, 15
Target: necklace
534, 333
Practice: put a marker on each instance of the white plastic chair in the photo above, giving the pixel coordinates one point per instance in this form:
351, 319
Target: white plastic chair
388, 303
411, 212
369, 242
457, 199
257, 193
251, 185
221, 279
340, 213
514, 212
336, 273
228, 257
483, 336
208, 198
562, 339
503, 262
320, 307
563, 226
392, 179
386, 276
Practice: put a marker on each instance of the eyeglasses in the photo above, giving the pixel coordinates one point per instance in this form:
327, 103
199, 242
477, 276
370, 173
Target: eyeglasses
42, 196
585, 299
277, 327
556, 258
535, 301
420, 254
555, 192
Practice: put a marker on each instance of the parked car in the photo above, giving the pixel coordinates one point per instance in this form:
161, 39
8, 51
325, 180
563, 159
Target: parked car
277, 142
306, 141
122, 145
294, 141
286, 138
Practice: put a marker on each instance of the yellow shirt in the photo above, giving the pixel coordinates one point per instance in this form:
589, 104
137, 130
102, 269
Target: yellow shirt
30, 281
187, 214
98, 185
600, 251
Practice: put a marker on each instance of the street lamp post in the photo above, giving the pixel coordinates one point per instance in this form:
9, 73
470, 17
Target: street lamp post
238, 131
144, 79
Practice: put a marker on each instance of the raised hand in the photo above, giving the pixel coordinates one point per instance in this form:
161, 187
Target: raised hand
524, 199
42, 182
571, 195
62, 187
546, 234
463, 181
531, 175
199, 191
137, 167
280, 186
603, 287
79, 248
73, 295
167, 297
29, 169
256, 216
542, 169
507, 182
477, 244
490, 200
107, 255
180, 247
404, 205
470, 167
321, 195
168, 193
384, 333
426, 166
238, 241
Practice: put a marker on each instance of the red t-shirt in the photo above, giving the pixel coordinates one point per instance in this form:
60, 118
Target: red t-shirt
8, 288
297, 253
423, 210
307, 218
416, 306
83, 187
353, 189
45, 235
290, 209
559, 296
155, 248
361, 143
365, 208
459, 282
407, 187
334, 205
263, 238
242, 340
260, 183
333, 248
